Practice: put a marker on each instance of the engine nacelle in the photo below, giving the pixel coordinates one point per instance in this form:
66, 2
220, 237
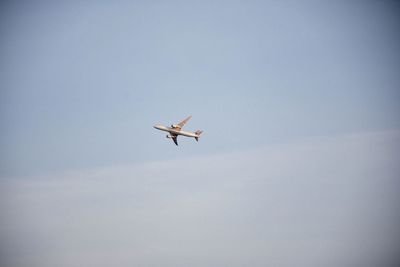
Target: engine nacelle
175, 126
168, 136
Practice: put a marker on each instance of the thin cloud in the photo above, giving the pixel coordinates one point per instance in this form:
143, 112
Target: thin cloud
318, 202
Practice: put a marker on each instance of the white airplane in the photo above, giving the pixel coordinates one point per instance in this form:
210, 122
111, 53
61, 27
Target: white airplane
176, 129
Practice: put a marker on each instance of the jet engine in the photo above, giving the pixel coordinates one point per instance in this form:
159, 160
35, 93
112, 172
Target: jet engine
175, 126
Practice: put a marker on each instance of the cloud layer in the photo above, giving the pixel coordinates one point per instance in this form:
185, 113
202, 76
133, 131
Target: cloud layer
318, 202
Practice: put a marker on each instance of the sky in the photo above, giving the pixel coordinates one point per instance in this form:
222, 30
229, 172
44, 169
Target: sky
297, 165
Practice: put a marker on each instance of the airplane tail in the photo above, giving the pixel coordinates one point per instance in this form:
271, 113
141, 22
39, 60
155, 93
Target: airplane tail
198, 132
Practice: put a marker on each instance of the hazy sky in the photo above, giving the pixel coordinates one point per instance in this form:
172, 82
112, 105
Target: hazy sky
298, 100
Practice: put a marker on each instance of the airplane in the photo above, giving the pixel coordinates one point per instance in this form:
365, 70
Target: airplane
176, 129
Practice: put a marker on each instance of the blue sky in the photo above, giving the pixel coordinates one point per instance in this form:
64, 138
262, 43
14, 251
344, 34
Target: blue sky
82, 84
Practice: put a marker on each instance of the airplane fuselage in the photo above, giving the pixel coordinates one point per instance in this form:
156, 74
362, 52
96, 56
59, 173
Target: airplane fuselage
174, 131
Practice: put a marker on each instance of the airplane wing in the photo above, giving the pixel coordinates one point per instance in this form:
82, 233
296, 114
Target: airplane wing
182, 123
175, 138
